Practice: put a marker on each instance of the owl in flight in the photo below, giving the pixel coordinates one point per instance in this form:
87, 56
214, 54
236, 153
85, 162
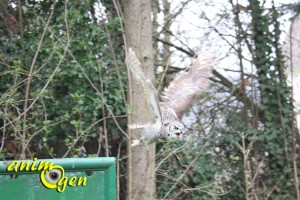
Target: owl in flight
175, 99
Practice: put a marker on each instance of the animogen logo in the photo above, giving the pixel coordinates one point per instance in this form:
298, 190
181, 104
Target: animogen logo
51, 176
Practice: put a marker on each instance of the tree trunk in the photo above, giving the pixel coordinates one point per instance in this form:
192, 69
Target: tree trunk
141, 159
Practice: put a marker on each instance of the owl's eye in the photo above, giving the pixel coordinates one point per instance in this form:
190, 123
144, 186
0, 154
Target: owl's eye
175, 128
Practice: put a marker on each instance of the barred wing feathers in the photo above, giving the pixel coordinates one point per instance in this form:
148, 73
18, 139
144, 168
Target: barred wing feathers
182, 91
136, 68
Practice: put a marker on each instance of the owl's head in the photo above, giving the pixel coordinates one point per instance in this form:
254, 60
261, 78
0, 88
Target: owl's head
174, 130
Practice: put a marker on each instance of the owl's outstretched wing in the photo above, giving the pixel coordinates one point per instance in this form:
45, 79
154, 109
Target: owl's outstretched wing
136, 69
185, 88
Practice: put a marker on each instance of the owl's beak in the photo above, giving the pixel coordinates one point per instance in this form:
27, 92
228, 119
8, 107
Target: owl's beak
178, 134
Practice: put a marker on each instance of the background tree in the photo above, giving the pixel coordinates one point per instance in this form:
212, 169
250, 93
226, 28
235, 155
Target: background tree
141, 159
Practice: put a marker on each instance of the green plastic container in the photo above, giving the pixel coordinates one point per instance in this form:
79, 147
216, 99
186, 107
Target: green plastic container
99, 175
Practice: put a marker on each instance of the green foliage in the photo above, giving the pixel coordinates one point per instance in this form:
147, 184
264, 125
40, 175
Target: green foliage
275, 96
73, 65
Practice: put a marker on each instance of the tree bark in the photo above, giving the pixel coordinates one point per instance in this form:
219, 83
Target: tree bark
141, 159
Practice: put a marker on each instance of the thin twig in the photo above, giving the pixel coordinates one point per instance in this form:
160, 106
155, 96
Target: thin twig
26, 96
103, 113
